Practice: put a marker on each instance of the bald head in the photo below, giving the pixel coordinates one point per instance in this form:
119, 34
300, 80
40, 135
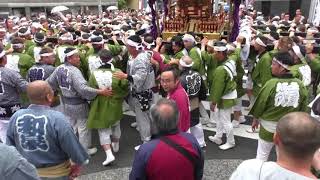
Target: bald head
299, 134
165, 115
39, 92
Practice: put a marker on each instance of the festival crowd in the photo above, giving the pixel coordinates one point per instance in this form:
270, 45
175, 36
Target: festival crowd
64, 76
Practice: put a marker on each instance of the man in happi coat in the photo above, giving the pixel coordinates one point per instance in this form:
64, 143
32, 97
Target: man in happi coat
11, 85
195, 87
40, 41
44, 67
44, 137
18, 60
234, 54
223, 94
140, 75
280, 95
106, 111
75, 94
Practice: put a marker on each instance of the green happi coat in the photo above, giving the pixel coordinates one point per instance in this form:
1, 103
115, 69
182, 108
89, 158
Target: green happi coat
235, 56
261, 72
178, 55
28, 44
83, 48
106, 111
222, 84
211, 63
195, 55
166, 58
278, 97
24, 64
119, 53
59, 57
302, 71
315, 64
315, 68
34, 49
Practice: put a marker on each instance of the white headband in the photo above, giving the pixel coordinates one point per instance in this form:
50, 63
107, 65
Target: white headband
230, 47
67, 37
101, 42
296, 50
259, 41
46, 54
38, 41
24, 34
280, 63
183, 64
134, 44
189, 38
148, 45
3, 53
219, 48
310, 30
269, 37
71, 53
309, 41
19, 45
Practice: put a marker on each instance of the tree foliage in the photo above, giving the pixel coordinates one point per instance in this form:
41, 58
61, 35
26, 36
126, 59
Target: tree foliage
122, 4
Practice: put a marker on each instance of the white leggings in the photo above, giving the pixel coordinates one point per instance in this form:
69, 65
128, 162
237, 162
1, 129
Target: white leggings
264, 149
105, 134
224, 124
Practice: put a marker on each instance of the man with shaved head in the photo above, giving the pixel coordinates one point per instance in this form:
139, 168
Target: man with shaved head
297, 138
44, 136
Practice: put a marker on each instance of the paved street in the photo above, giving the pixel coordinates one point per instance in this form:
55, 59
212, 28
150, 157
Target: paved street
218, 165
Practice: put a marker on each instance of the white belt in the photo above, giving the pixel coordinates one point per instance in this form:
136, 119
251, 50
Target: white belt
270, 126
231, 95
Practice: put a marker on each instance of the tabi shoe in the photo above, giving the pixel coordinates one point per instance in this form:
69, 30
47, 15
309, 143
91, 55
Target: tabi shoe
108, 160
227, 146
242, 119
235, 124
92, 151
215, 139
137, 147
134, 124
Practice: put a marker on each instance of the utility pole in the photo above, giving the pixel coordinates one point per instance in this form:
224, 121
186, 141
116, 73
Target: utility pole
100, 9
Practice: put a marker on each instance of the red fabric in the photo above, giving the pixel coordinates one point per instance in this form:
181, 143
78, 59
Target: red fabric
180, 96
157, 57
166, 163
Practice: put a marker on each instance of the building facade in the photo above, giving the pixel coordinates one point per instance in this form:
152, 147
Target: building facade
30, 7
276, 7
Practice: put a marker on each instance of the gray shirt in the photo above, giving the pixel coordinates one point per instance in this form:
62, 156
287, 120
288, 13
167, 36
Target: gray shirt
11, 84
39, 72
71, 83
142, 73
13, 166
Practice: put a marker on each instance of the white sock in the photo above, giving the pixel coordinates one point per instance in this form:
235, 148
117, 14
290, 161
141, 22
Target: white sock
109, 153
